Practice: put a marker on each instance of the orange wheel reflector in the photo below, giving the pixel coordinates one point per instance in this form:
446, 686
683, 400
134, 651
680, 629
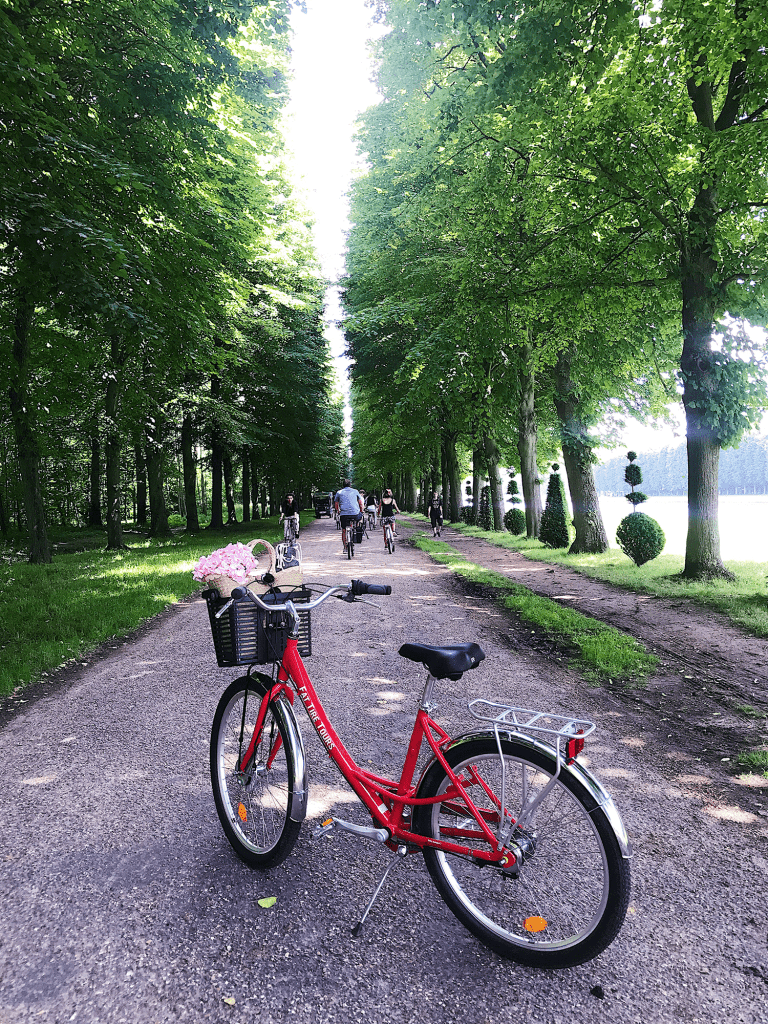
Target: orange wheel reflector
534, 924
326, 822
241, 812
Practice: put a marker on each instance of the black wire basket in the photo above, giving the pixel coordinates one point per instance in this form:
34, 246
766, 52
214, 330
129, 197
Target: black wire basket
246, 635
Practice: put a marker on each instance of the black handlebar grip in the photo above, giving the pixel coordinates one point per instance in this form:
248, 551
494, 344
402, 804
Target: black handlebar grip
359, 588
238, 593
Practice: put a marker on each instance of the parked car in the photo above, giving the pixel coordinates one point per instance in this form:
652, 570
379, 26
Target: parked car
323, 504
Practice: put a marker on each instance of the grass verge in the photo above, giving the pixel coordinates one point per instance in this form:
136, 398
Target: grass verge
54, 614
605, 653
744, 601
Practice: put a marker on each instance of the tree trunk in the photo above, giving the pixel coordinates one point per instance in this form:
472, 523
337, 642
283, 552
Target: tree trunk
189, 470
452, 476
409, 495
217, 485
577, 455
112, 452
445, 484
255, 488
94, 490
141, 483
245, 492
478, 461
527, 433
702, 548
229, 490
158, 511
22, 416
497, 489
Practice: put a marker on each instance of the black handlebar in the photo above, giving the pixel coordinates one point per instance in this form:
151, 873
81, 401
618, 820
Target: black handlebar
359, 588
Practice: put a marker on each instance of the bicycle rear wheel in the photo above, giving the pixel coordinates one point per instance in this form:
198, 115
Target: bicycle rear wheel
254, 804
390, 540
568, 898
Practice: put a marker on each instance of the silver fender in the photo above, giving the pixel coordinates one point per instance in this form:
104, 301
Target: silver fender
576, 771
287, 718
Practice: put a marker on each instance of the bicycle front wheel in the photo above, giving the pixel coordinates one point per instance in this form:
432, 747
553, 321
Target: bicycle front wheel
568, 898
253, 801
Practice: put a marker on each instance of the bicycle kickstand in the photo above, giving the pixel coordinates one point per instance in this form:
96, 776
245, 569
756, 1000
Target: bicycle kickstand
397, 859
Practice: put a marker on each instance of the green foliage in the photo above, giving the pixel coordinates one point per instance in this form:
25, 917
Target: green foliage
640, 537
741, 598
58, 613
605, 652
468, 515
554, 525
514, 520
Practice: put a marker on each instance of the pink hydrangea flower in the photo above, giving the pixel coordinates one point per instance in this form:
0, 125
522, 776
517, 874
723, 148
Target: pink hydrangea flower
235, 561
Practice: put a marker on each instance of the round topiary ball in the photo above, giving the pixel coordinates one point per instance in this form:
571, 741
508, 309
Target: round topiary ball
640, 537
514, 520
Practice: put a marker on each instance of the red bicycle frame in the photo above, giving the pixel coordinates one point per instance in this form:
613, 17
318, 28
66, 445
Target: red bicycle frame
385, 798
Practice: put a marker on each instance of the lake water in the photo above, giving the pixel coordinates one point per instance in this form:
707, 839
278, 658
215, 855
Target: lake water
743, 523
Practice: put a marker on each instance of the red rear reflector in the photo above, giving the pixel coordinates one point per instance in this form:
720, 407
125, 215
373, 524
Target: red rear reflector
573, 748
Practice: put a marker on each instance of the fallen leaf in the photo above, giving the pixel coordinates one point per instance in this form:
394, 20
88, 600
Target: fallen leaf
267, 901
229, 1000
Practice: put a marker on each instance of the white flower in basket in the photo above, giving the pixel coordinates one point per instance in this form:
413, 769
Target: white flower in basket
235, 566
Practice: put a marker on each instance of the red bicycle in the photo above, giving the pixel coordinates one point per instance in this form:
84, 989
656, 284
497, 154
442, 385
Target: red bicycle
525, 846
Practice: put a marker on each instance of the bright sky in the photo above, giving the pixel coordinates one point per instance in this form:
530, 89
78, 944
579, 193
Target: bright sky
331, 87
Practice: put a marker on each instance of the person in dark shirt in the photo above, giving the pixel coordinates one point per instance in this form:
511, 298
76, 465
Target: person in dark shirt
289, 510
436, 513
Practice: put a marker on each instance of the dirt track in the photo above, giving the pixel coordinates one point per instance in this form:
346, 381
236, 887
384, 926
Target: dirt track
121, 901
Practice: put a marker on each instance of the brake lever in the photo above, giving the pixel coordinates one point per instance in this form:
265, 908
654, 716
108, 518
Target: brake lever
371, 603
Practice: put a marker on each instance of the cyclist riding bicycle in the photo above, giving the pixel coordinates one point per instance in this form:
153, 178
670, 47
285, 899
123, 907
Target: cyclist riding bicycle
370, 508
387, 509
436, 513
289, 510
349, 505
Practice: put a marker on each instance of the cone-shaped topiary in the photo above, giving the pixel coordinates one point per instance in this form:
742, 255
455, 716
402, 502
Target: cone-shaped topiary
484, 513
514, 520
554, 525
640, 537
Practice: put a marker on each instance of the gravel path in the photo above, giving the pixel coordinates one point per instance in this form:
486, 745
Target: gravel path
120, 899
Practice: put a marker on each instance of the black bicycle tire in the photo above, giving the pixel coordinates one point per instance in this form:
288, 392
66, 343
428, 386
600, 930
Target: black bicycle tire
528, 951
278, 850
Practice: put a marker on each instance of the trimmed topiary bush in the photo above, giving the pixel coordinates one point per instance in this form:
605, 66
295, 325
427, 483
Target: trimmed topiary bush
514, 520
554, 525
484, 512
640, 537
467, 515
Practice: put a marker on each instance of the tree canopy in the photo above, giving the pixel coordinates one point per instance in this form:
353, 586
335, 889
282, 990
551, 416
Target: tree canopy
563, 217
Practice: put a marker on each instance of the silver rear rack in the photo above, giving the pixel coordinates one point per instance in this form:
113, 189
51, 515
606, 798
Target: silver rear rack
525, 720
560, 729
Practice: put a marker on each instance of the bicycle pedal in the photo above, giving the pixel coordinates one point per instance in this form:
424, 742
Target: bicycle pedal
381, 835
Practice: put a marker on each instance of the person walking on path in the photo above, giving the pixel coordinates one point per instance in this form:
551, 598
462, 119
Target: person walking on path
436, 513
349, 505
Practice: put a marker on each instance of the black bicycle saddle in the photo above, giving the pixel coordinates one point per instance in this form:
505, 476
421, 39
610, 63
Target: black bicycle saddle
445, 662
